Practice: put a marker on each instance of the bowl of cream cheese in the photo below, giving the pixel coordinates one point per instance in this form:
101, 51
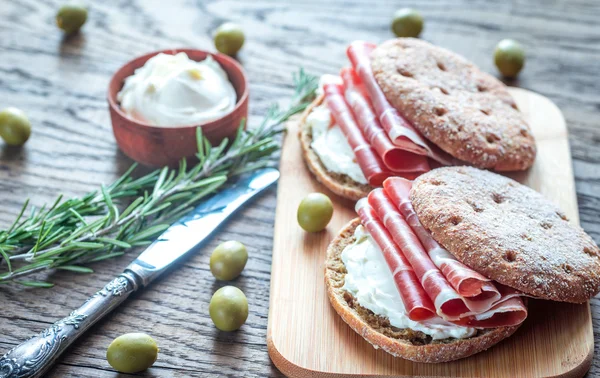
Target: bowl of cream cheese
157, 102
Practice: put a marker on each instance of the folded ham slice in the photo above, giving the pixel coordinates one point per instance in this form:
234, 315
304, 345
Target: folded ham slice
459, 294
394, 157
447, 302
467, 282
366, 157
416, 302
399, 130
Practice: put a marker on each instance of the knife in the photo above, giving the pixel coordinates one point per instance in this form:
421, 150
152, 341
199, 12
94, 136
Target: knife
34, 357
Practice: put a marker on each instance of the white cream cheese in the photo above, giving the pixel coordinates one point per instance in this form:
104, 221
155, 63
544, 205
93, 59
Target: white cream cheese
173, 90
370, 281
331, 146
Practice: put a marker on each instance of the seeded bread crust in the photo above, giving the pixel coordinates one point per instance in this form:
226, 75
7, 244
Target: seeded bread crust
404, 343
508, 232
340, 184
465, 111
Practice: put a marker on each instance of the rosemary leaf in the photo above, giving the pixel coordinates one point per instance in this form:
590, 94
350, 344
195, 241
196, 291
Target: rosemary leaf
19, 216
118, 243
6, 259
36, 284
107, 256
88, 245
158, 209
33, 266
76, 268
132, 207
149, 232
56, 251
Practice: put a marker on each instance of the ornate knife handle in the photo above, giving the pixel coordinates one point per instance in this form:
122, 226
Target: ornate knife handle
34, 357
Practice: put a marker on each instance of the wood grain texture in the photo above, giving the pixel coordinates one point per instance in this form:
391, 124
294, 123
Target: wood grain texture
62, 83
561, 345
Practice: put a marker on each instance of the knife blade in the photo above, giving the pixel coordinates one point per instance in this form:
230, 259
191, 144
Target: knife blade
32, 358
185, 234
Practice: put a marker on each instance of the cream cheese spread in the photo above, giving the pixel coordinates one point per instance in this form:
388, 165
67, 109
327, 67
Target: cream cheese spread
331, 146
370, 281
173, 90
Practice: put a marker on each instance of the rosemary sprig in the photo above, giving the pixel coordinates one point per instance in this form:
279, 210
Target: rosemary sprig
130, 212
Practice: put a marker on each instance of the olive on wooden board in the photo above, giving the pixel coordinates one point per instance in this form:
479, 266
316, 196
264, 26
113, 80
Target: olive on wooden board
315, 212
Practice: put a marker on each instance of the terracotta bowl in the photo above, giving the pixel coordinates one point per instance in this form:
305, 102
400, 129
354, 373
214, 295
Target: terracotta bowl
160, 146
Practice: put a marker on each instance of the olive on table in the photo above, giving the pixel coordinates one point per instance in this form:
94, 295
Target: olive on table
228, 260
407, 22
229, 38
132, 352
509, 57
315, 212
71, 17
15, 127
228, 308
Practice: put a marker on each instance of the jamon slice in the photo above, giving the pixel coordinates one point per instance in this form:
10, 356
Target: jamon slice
467, 282
399, 130
394, 157
416, 302
370, 163
511, 311
504, 309
449, 305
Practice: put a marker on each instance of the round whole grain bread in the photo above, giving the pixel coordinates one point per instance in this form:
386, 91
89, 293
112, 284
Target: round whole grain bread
508, 232
405, 343
465, 111
339, 184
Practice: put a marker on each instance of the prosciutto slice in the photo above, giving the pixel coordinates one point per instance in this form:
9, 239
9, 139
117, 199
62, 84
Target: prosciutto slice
416, 302
446, 300
486, 306
395, 158
509, 312
366, 157
399, 130
467, 282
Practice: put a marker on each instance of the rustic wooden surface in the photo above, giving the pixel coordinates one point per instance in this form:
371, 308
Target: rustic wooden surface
299, 298
61, 84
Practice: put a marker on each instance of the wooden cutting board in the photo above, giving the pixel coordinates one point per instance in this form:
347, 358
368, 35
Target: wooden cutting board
306, 337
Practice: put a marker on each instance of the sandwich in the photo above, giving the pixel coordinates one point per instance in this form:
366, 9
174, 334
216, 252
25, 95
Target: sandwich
441, 268
405, 107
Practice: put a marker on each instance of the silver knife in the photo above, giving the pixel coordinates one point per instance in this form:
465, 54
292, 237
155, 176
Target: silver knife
34, 357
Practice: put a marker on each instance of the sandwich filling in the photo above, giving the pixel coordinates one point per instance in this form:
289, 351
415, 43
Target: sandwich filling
432, 284
382, 142
330, 145
371, 283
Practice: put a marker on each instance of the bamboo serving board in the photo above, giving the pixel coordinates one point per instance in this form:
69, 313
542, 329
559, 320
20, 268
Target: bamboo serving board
306, 337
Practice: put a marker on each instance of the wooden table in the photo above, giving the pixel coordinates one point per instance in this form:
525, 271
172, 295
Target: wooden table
62, 83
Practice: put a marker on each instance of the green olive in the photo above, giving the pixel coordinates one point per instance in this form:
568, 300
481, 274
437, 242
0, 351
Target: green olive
228, 308
229, 38
132, 352
314, 212
228, 260
15, 127
509, 57
407, 22
71, 17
